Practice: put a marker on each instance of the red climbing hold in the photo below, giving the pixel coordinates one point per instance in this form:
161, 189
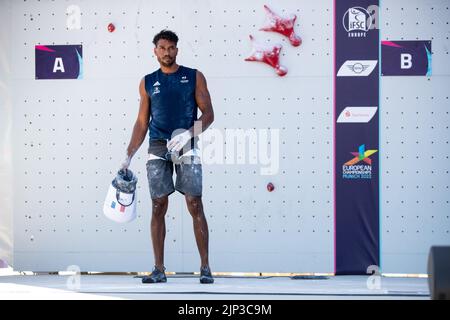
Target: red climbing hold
269, 55
285, 26
111, 27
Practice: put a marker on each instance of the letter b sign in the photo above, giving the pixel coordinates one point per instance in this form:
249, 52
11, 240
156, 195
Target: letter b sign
405, 61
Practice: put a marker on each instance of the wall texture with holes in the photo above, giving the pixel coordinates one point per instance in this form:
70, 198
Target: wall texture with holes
69, 137
414, 141
6, 192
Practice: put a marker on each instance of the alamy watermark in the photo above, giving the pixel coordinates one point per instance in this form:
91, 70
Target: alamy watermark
374, 280
259, 147
74, 280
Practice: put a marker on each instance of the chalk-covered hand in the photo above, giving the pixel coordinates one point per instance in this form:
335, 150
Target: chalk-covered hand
179, 141
125, 163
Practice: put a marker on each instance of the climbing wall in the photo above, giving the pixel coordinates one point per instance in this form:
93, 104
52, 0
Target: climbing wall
70, 137
414, 141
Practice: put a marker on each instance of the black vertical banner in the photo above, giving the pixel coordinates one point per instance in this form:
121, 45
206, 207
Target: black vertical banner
356, 102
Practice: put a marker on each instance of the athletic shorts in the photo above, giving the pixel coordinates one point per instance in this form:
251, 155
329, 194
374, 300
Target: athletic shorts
160, 167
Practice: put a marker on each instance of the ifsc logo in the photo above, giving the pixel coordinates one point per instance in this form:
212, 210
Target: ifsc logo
357, 22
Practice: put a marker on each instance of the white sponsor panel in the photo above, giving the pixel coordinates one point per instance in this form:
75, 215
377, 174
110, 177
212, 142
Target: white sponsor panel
357, 68
357, 114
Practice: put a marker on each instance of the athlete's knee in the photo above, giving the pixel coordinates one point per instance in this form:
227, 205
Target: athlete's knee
194, 203
159, 205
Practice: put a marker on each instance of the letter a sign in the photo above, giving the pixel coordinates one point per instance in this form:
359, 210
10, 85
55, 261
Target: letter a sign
59, 62
59, 65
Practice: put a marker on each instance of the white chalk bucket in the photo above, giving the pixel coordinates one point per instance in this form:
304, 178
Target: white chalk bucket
120, 202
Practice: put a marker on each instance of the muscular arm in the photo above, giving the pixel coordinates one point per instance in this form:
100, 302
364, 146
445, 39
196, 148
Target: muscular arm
203, 100
141, 125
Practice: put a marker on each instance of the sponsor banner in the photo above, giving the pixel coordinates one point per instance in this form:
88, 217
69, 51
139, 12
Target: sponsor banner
353, 170
357, 114
357, 68
59, 62
406, 58
356, 144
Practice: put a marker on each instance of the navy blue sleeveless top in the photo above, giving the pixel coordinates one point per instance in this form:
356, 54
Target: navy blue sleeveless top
172, 101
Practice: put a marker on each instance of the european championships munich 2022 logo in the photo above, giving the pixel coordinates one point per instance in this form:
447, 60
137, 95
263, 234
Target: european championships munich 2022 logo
352, 170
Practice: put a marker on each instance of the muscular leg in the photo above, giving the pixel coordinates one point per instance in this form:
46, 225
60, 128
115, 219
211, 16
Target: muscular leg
195, 207
158, 229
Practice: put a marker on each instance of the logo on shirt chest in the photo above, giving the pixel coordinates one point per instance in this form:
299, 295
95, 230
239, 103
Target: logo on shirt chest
184, 79
156, 87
